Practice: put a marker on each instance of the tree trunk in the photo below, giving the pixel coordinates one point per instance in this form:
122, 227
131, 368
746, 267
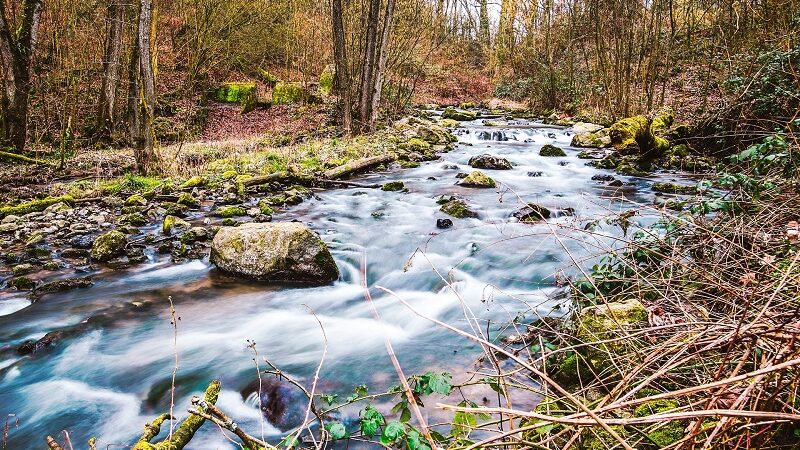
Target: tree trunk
341, 81
106, 119
145, 154
483, 27
369, 63
382, 56
16, 53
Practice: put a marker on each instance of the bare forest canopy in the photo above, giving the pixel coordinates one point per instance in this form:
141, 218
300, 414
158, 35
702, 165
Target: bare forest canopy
80, 73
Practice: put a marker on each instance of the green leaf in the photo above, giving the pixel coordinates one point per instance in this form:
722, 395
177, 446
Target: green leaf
371, 419
392, 433
439, 382
289, 441
337, 430
328, 398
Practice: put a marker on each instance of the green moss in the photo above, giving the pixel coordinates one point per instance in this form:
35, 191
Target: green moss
245, 94
196, 181
678, 150
269, 78
457, 208
230, 211
408, 164
21, 269
285, 93
448, 123
655, 407
263, 205
551, 150
171, 223
229, 222
326, 80
460, 116
640, 134
134, 219
136, 200
596, 438
393, 186
108, 246
229, 175
417, 145
188, 199
467, 105
673, 188
479, 180
33, 205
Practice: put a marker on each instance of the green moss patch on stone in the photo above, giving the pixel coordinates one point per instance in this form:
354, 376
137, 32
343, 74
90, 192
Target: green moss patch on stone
551, 150
108, 246
285, 93
393, 186
243, 93
478, 179
457, 208
460, 116
230, 211
673, 188
33, 205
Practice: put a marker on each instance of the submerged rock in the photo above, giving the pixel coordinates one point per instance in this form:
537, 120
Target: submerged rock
490, 162
108, 246
282, 403
478, 179
279, 252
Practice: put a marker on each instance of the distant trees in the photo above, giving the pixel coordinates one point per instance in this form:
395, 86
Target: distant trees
112, 65
17, 44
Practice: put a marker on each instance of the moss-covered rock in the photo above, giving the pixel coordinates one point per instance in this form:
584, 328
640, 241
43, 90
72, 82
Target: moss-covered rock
196, 181
136, 200
133, 219
416, 145
230, 211
460, 116
393, 186
673, 188
188, 200
601, 326
448, 123
457, 208
640, 134
478, 179
195, 234
176, 224
592, 139
285, 93
551, 150
21, 269
265, 208
663, 434
489, 162
108, 246
287, 252
245, 94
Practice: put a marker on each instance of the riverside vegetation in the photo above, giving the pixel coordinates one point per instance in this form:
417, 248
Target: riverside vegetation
205, 127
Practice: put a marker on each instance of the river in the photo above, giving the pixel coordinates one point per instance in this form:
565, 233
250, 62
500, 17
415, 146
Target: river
111, 375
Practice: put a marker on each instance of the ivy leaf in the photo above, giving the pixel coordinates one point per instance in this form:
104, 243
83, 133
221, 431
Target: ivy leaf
392, 433
371, 419
337, 430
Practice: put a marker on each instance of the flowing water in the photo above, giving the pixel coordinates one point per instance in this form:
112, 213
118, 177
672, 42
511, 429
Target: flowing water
110, 373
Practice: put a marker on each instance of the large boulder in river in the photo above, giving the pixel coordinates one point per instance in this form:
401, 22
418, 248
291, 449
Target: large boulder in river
287, 252
490, 162
109, 246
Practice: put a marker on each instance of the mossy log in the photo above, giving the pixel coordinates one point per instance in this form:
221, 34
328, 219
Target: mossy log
357, 166
23, 158
263, 179
185, 432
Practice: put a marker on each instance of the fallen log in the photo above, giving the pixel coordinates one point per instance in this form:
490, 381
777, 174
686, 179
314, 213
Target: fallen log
23, 158
357, 166
263, 179
353, 184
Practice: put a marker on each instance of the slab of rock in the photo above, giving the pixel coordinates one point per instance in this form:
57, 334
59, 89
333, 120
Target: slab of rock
284, 252
478, 179
490, 162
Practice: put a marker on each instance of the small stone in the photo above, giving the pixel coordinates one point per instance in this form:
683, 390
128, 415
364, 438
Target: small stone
444, 223
616, 183
10, 219
57, 207
22, 269
82, 241
231, 211
188, 200
535, 174
9, 227
135, 219
603, 177
195, 234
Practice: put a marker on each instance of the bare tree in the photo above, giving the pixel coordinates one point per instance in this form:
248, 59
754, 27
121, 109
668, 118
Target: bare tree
16, 55
142, 92
106, 118
342, 77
